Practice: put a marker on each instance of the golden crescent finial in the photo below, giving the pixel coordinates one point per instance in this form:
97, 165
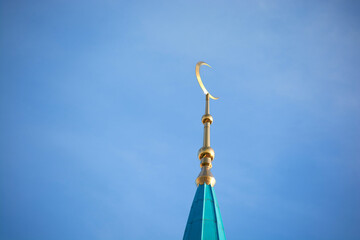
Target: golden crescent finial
197, 70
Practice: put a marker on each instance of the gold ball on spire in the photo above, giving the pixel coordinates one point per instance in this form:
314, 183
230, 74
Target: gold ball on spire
207, 118
206, 152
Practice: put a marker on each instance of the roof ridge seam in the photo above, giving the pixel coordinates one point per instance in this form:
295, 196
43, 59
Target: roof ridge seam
203, 213
215, 212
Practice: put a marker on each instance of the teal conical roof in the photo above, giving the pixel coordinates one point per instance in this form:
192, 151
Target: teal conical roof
204, 221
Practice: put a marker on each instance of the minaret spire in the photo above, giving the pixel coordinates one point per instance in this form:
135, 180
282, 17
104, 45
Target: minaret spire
206, 154
204, 222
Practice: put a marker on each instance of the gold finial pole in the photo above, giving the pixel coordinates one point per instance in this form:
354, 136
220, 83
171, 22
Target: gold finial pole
207, 105
207, 126
206, 154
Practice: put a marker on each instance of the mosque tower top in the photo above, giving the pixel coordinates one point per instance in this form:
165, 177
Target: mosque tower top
204, 222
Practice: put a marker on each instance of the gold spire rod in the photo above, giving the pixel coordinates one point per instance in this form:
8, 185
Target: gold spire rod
206, 154
207, 126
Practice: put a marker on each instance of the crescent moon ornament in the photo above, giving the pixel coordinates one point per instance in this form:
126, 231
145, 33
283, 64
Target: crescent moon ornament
197, 70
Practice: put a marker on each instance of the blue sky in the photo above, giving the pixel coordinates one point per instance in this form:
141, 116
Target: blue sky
100, 117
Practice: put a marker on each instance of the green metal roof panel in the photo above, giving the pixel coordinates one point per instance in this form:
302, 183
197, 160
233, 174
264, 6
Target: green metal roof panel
204, 222
220, 226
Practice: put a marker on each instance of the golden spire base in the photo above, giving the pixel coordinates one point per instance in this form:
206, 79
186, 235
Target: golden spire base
205, 176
